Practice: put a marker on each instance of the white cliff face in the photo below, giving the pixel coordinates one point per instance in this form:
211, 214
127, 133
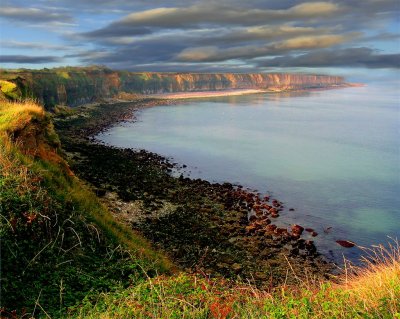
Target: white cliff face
76, 86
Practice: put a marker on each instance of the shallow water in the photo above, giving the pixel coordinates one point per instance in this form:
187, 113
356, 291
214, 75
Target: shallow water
332, 155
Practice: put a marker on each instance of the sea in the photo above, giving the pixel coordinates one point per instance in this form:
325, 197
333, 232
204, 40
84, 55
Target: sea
331, 155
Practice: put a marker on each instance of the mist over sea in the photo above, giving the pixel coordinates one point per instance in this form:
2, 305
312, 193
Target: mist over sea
333, 155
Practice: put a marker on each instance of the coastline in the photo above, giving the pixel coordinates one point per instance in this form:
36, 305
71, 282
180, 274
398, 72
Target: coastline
205, 94
218, 229
238, 92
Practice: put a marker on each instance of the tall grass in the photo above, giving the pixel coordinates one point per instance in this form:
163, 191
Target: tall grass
376, 282
16, 115
368, 291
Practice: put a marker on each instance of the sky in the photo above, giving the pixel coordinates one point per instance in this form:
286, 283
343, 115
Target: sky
354, 38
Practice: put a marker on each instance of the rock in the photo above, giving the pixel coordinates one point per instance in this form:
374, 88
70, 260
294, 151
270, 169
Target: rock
250, 228
297, 229
310, 247
301, 243
252, 218
280, 231
346, 243
295, 236
275, 203
291, 209
314, 234
310, 230
270, 228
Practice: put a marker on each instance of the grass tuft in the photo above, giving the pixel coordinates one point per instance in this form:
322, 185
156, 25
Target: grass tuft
14, 116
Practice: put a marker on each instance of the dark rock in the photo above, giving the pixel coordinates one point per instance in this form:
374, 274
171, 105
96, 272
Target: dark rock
297, 229
346, 243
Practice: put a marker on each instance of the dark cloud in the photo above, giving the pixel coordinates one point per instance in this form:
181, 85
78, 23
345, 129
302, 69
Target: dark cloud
25, 14
152, 52
351, 57
32, 45
116, 31
347, 14
210, 35
24, 59
257, 33
206, 32
212, 53
213, 14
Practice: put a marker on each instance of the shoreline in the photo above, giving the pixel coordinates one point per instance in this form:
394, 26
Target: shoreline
240, 92
236, 227
205, 94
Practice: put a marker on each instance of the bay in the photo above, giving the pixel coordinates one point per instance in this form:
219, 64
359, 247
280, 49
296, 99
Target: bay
334, 155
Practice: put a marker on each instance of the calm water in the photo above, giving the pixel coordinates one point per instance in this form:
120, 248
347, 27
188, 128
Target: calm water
332, 155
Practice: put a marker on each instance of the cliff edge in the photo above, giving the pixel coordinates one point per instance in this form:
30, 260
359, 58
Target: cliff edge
74, 86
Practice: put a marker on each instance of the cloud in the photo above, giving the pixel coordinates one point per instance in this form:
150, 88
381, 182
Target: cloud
209, 14
24, 59
256, 33
24, 14
32, 45
206, 35
350, 57
208, 54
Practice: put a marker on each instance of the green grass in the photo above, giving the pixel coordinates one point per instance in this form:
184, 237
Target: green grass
9, 89
58, 243
374, 293
187, 296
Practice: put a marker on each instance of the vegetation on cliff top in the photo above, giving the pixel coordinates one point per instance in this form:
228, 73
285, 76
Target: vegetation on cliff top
63, 254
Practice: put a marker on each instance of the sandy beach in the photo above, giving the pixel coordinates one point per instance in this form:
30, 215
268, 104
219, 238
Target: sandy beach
204, 94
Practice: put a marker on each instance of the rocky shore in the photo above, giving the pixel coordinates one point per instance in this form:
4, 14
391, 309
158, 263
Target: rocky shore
215, 229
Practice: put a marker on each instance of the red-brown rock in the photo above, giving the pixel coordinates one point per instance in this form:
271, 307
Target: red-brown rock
346, 243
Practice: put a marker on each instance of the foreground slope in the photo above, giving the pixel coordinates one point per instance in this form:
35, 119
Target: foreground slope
58, 243
373, 293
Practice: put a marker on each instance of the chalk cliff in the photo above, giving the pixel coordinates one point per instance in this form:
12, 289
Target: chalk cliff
74, 86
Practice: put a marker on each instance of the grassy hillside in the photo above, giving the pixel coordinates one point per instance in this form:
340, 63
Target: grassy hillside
58, 244
63, 254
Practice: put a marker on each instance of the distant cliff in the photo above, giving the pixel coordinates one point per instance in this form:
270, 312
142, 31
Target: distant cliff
74, 86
